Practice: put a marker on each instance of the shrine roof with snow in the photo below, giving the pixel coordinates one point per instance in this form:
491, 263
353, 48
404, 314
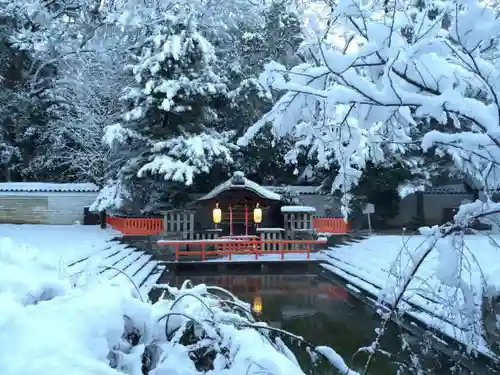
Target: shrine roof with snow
239, 181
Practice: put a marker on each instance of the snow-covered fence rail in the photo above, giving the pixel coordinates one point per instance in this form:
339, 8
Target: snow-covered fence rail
271, 234
202, 235
330, 225
178, 221
298, 217
136, 226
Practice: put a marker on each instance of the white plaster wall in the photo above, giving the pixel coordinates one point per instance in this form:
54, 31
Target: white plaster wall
43, 207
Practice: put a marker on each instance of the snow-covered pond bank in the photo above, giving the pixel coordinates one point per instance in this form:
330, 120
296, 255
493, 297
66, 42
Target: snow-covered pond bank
377, 263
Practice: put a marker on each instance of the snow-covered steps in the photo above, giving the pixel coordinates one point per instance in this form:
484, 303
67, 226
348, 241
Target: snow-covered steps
345, 239
121, 265
121, 261
152, 278
80, 265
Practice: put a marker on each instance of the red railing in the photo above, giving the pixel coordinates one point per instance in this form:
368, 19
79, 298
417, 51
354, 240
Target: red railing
149, 226
239, 243
330, 225
136, 226
256, 248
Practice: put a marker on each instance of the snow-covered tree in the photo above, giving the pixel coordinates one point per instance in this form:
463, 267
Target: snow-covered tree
56, 83
381, 72
84, 102
263, 160
76, 40
170, 127
398, 80
23, 118
277, 37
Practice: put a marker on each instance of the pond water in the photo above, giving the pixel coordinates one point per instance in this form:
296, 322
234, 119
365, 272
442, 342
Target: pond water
324, 314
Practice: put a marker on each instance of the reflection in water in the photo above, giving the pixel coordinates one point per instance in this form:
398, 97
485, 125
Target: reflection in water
257, 304
320, 312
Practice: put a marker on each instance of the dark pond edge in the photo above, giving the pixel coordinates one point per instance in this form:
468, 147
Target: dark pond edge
311, 266
440, 341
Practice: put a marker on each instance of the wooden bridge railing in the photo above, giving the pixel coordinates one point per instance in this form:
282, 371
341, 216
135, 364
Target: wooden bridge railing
330, 225
256, 248
136, 226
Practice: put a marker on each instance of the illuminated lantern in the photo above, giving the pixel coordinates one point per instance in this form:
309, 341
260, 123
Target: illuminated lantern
217, 214
257, 214
257, 305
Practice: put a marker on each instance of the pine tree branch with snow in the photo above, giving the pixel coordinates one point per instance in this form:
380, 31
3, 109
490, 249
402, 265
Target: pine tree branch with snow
170, 128
182, 158
174, 71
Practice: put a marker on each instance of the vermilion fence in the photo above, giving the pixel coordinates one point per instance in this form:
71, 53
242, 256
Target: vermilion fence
330, 225
136, 226
147, 226
207, 248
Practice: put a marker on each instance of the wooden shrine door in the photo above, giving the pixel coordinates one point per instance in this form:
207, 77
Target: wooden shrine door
239, 220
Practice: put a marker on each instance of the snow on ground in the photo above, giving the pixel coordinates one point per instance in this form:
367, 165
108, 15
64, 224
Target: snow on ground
67, 243
368, 265
46, 326
51, 325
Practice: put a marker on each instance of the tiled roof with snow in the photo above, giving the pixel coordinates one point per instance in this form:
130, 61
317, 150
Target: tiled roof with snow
447, 189
298, 189
239, 181
47, 187
298, 209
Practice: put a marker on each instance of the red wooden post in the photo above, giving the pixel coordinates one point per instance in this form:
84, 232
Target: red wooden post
246, 219
230, 252
282, 246
203, 251
230, 220
176, 252
308, 250
256, 247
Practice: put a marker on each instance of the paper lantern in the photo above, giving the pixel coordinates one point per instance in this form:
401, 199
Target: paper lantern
217, 214
257, 214
257, 305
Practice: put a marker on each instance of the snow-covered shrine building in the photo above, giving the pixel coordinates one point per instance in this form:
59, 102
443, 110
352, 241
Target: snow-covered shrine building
240, 207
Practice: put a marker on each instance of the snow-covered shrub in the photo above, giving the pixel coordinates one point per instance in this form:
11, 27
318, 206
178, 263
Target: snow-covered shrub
490, 313
206, 328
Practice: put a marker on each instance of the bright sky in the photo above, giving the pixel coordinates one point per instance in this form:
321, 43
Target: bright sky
316, 17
